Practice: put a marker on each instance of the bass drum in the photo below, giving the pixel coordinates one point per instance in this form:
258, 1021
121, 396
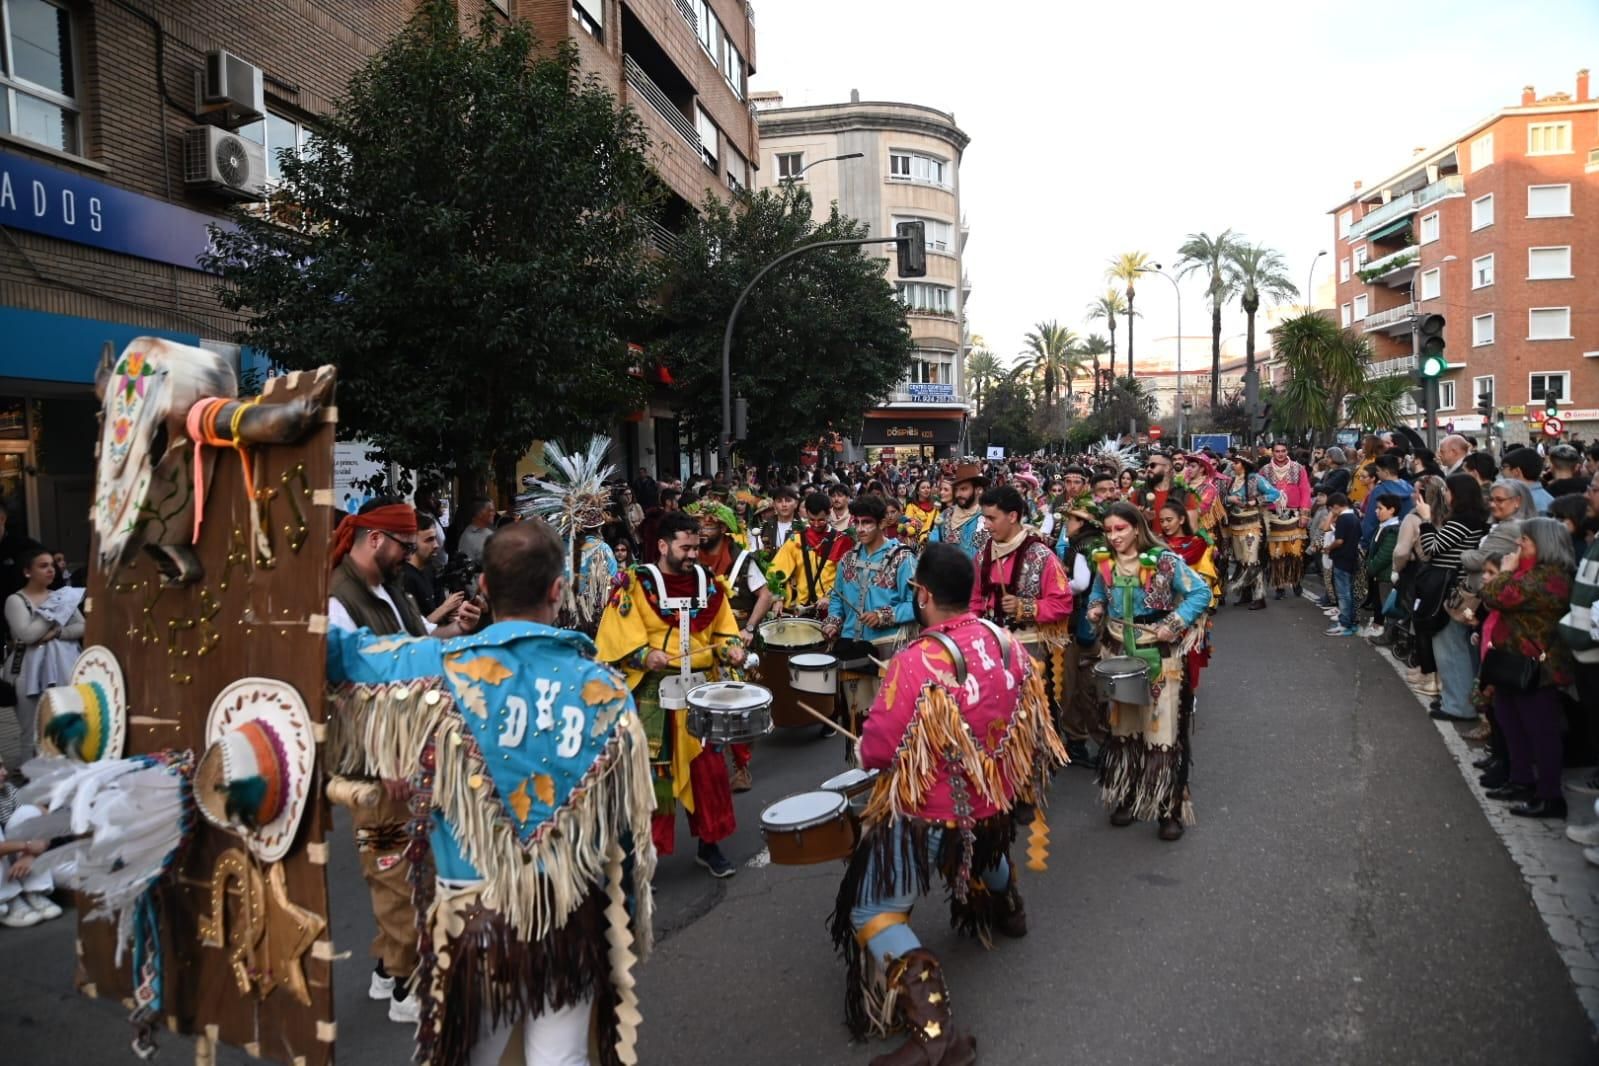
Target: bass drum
808, 828
780, 640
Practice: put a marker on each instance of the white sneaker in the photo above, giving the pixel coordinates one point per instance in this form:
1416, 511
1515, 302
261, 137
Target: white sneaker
1371, 631
408, 1011
1586, 835
1413, 675
18, 915
43, 905
381, 988
1330, 612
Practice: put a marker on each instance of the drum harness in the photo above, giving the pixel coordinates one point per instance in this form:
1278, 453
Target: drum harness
682, 605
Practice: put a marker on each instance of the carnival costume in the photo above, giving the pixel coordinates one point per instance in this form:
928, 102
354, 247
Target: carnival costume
573, 498
531, 788
961, 733
1246, 535
1285, 535
1026, 568
1209, 493
1144, 768
745, 581
922, 518
642, 617
879, 581
1201, 559
806, 565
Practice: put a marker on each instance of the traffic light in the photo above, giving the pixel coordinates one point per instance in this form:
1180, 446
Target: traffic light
910, 249
1499, 422
1485, 407
1432, 364
1551, 405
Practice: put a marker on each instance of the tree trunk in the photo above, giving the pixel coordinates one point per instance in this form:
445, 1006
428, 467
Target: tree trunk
1215, 352
1094, 403
1129, 332
1249, 340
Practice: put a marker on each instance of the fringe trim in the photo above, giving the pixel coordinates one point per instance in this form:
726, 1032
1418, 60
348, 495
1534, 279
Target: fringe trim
380, 730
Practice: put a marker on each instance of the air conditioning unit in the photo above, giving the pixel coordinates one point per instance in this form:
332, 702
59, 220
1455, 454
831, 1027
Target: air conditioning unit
217, 159
229, 90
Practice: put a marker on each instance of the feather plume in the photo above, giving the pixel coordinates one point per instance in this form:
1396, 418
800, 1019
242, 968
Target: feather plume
1118, 457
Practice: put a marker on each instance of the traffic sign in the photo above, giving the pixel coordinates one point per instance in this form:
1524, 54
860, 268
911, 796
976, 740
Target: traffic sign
1155, 432
1552, 427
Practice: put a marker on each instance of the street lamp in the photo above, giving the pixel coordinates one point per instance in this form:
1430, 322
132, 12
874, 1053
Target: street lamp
792, 178
1156, 269
1310, 279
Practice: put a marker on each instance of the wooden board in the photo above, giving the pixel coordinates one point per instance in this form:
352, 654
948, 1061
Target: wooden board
178, 648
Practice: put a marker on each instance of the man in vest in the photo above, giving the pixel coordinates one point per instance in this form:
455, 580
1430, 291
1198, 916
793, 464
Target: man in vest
367, 591
775, 532
961, 522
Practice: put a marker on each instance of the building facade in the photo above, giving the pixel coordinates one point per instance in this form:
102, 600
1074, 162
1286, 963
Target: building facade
1493, 232
905, 168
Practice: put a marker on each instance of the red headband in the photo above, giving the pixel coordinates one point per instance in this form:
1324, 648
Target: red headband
396, 518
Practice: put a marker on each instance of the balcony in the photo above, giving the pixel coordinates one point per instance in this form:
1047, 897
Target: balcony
656, 97
1391, 367
662, 240
1395, 319
1391, 269
1407, 204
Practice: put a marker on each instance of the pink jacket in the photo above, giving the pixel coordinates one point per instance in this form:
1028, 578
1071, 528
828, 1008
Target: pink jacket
987, 700
1297, 492
1041, 572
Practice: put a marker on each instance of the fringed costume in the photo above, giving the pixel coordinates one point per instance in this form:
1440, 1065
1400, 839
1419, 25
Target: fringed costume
1144, 767
1201, 559
573, 498
1027, 569
1246, 536
532, 794
1285, 535
867, 582
962, 733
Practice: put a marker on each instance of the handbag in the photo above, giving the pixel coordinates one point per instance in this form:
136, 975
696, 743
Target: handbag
1432, 589
1509, 670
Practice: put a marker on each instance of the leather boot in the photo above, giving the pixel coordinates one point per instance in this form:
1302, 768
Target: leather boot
922, 1006
1011, 918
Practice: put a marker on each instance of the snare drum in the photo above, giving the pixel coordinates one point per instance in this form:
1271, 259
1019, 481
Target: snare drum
814, 672
792, 634
855, 786
807, 828
676, 687
729, 712
1123, 679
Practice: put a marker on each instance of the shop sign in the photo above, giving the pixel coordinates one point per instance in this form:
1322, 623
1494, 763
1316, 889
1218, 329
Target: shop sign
925, 392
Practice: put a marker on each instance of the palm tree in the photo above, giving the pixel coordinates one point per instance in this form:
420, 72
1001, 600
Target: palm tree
982, 370
1253, 271
1096, 346
1108, 306
1047, 358
1210, 254
1125, 268
1329, 368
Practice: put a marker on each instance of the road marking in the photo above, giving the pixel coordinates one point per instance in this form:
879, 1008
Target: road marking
763, 858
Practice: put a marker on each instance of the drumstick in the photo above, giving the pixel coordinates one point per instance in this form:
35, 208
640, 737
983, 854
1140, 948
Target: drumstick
820, 717
881, 665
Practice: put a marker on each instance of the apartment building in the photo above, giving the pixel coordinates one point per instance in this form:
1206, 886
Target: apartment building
901, 163
1493, 230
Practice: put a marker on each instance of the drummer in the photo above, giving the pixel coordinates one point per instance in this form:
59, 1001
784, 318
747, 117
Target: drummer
639, 634
1246, 532
941, 807
809, 561
870, 604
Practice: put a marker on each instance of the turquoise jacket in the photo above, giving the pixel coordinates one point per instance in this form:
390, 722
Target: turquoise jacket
538, 705
875, 582
1169, 588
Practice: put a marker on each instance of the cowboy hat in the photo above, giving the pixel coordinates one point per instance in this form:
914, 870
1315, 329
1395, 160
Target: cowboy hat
255, 776
87, 718
970, 472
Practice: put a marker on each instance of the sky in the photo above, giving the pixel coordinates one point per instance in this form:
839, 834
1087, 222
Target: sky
1103, 128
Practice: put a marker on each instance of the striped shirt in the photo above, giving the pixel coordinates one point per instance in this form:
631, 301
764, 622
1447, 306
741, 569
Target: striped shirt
1445, 545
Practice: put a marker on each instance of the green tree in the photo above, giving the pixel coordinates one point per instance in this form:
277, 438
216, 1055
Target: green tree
465, 241
1253, 271
982, 370
1125, 268
1108, 307
1125, 403
1007, 416
1048, 356
820, 339
1329, 382
1203, 253
1093, 347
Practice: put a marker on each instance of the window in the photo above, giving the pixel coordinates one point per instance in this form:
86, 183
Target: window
590, 14
1343, 270
1482, 152
920, 296
1345, 315
1482, 211
1549, 324
909, 166
932, 368
1482, 272
1361, 255
1446, 396
1549, 386
38, 81
1482, 332
1432, 283
710, 30
791, 165
732, 66
708, 134
1429, 228
276, 135
1549, 138
940, 235
1546, 263
738, 171
1548, 201
1483, 389
1361, 304
1345, 220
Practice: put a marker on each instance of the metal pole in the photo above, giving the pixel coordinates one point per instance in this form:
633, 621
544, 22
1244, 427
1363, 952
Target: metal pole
1311, 277
1156, 269
724, 456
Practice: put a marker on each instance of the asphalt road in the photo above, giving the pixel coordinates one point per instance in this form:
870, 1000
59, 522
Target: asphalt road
1342, 900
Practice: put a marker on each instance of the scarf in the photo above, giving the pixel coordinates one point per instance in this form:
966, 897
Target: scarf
396, 518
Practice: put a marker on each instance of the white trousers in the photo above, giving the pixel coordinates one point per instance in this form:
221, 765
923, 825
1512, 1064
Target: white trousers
554, 1038
38, 882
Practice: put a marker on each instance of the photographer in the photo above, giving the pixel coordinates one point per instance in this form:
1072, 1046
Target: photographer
422, 582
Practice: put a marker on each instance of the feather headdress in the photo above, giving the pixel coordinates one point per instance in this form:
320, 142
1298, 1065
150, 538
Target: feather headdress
1118, 457
572, 497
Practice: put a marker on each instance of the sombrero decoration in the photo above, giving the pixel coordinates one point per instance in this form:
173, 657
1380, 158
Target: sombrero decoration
255, 776
1085, 509
87, 718
717, 512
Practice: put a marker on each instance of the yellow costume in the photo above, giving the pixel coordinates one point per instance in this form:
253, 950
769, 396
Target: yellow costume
923, 519
797, 584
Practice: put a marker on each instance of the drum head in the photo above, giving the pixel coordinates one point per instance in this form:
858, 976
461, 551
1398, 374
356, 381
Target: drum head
729, 696
849, 780
1121, 666
792, 633
803, 810
813, 660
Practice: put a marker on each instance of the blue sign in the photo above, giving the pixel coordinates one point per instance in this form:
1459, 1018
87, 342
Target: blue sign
59, 203
1218, 443
922, 392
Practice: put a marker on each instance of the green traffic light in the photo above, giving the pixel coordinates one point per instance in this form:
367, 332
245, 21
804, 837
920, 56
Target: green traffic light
1433, 366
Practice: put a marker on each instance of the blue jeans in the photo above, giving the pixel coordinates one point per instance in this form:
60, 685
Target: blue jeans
1457, 669
897, 940
1344, 584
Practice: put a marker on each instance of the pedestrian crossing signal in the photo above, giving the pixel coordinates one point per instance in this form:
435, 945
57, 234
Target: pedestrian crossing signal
910, 249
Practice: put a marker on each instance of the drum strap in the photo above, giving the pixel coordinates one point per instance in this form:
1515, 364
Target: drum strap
1004, 640
954, 653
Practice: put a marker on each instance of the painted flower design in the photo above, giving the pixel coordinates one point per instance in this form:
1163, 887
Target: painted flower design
133, 371
120, 429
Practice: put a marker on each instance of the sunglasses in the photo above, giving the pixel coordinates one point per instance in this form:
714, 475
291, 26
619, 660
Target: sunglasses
408, 546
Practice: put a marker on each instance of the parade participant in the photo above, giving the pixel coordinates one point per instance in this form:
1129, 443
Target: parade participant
748, 593
1022, 586
1285, 535
526, 820
365, 592
1246, 532
922, 510
572, 496
870, 604
896, 526
1197, 552
719, 532
961, 523
1161, 483
960, 733
639, 633
1082, 715
1199, 470
1074, 484
776, 531
1103, 485
838, 508
807, 563
1151, 603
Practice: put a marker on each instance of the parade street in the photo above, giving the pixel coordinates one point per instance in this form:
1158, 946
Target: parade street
1342, 899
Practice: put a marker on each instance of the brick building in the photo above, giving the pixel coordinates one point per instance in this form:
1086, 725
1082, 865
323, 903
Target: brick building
1487, 231
112, 165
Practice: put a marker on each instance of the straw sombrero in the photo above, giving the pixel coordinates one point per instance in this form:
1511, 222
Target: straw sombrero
87, 718
255, 776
